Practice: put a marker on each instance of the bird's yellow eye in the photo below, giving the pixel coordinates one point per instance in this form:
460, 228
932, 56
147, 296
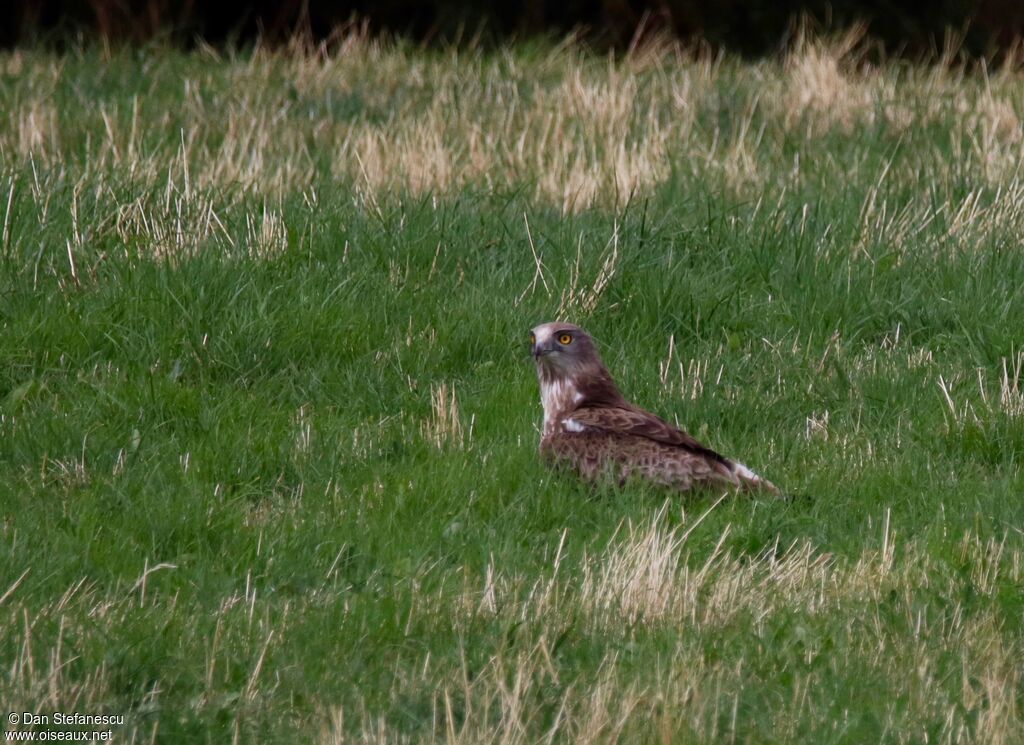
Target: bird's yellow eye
533, 338
565, 339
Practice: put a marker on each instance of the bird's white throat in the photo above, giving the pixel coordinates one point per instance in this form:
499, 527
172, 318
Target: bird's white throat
558, 397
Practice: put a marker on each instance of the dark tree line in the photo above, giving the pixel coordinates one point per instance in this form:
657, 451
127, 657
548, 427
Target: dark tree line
751, 27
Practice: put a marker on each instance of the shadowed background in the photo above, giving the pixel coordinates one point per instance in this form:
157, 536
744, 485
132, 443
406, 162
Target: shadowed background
750, 27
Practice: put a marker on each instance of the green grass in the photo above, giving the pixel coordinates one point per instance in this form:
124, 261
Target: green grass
268, 422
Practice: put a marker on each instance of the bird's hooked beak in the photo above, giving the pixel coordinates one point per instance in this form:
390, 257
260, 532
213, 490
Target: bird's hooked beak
542, 348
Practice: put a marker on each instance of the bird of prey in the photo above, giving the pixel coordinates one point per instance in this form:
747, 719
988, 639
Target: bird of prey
590, 427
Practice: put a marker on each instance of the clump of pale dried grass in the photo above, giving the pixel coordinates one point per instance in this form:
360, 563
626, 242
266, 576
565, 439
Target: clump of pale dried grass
444, 428
823, 88
37, 129
962, 409
266, 234
997, 138
647, 579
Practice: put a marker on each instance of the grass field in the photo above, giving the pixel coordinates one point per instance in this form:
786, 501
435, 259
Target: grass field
268, 421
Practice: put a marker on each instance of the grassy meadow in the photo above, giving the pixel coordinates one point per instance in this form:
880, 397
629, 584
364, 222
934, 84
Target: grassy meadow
268, 421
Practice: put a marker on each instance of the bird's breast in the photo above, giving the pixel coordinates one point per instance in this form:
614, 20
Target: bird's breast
558, 397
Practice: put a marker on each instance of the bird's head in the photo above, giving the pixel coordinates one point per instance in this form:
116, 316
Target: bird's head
570, 370
562, 350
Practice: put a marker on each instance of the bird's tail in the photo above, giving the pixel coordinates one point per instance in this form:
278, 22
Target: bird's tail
751, 481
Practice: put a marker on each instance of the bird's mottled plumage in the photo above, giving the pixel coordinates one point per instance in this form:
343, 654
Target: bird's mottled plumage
591, 427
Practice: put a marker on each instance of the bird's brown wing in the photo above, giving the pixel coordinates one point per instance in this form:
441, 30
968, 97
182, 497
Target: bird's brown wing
640, 423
